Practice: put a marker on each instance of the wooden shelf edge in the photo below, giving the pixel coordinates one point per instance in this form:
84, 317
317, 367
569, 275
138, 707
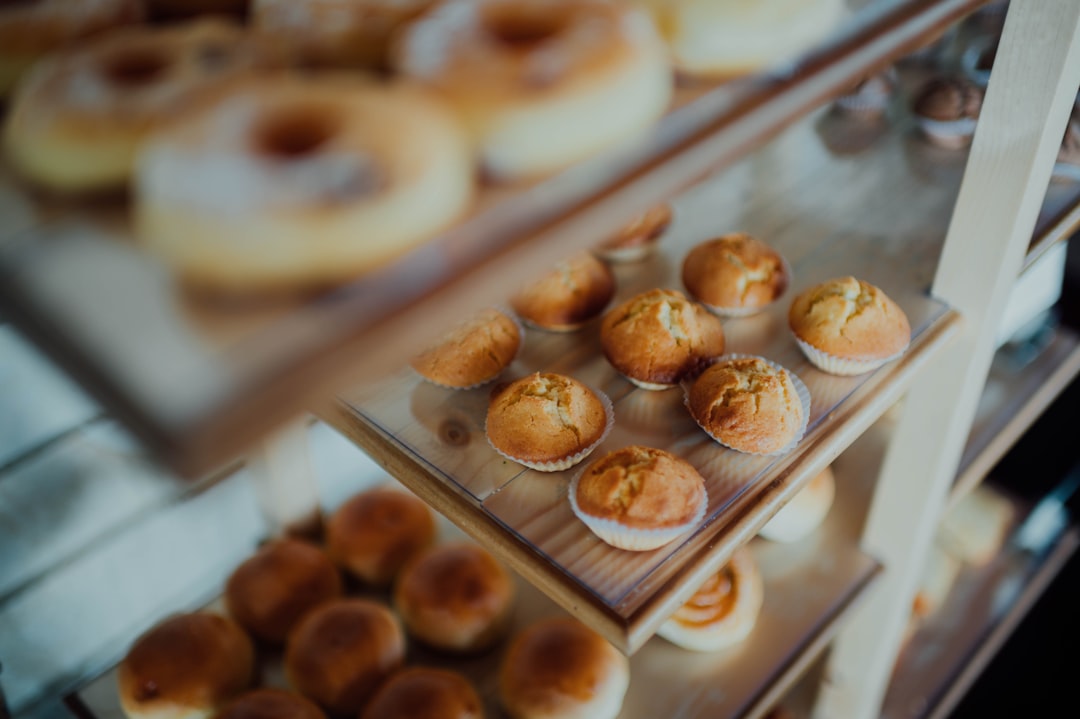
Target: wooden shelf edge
1059, 229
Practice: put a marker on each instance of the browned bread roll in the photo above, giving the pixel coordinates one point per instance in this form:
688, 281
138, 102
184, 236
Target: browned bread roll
342, 651
269, 703
270, 591
373, 533
425, 693
187, 665
571, 294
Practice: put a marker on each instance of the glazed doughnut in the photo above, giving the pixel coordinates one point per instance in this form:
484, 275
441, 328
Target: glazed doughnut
729, 38
31, 30
79, 116
295, 183
337, 33
541, 84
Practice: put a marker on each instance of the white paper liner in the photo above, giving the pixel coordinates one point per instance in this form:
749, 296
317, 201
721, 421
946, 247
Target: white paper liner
566, 462
736, 312
948, 130
521, 343
618, 255
559, 329
800, 389
843, 366
651, 386
635, 540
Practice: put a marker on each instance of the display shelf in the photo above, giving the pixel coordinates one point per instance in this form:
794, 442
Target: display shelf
200, 381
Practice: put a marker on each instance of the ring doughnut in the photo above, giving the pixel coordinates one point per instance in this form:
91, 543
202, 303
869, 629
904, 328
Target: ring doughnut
541, 84
79, 116
31, 30
294, 183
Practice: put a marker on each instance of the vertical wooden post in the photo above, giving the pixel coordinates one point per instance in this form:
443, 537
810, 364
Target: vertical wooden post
1032, 88
284, 482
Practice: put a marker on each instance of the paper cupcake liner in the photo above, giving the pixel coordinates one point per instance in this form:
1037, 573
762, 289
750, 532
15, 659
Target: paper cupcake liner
635, 540
800, 389
566, 462
619, 255
737, 312
842, 366
651, 386
951, 132
562, 329
521, 334
863, 104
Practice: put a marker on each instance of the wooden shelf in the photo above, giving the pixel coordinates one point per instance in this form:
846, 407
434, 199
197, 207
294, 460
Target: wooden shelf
199, 382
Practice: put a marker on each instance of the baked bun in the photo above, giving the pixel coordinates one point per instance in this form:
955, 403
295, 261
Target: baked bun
341, 652
296, 183
455, 597
974, 529
541, 84
734, 275
639, 498
269, 703
722, 611
188, 665
425, 693
804, 512
748, 404
375, 532
270, 591
546, 421
638, 238
658, 338
557, 668
563, 300
846, 326
472, 353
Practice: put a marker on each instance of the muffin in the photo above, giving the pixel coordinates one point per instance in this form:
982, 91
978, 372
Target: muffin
636, 240
748, 404
375, 532
639, 498
846, 326
269, 703
271, 590
558, 667
947, 110
974, 529
734, 275
563, 300
472, 353
455, 597
547, 421
341, 652
425, 693
659, 337
189, 664
804, 512
869, 99
722, 611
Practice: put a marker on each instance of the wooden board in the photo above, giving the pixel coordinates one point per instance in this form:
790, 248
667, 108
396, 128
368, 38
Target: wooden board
199, 382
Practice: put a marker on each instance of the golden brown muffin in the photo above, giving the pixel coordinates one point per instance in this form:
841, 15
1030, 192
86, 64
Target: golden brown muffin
639, 498
270, 591
747, 404
189, 664
735, 274
846, 326
558, 667
722, 611
947, 110
563, 300
658, 338
342, 651
269, 703
804, 512
637, 238
455, 597
546, 421
472, 353
425, 693
375, 532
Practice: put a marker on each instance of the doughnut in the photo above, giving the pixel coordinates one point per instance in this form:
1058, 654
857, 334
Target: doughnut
541, 84
31, 30
79, 116
728, 38
293, 183
336, 33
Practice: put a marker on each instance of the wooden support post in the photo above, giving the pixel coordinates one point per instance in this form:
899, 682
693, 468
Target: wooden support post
284, 482
1032, 88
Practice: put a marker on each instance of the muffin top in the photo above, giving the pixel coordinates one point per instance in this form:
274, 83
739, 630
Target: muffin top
949, 98
472, 353
747, 404
572, 293
643, 230
545, 417
660, 337
641, 488
734, 271
849, 318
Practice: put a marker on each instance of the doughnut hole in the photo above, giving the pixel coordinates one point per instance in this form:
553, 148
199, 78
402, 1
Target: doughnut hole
136, 67
522, 28
296, 133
